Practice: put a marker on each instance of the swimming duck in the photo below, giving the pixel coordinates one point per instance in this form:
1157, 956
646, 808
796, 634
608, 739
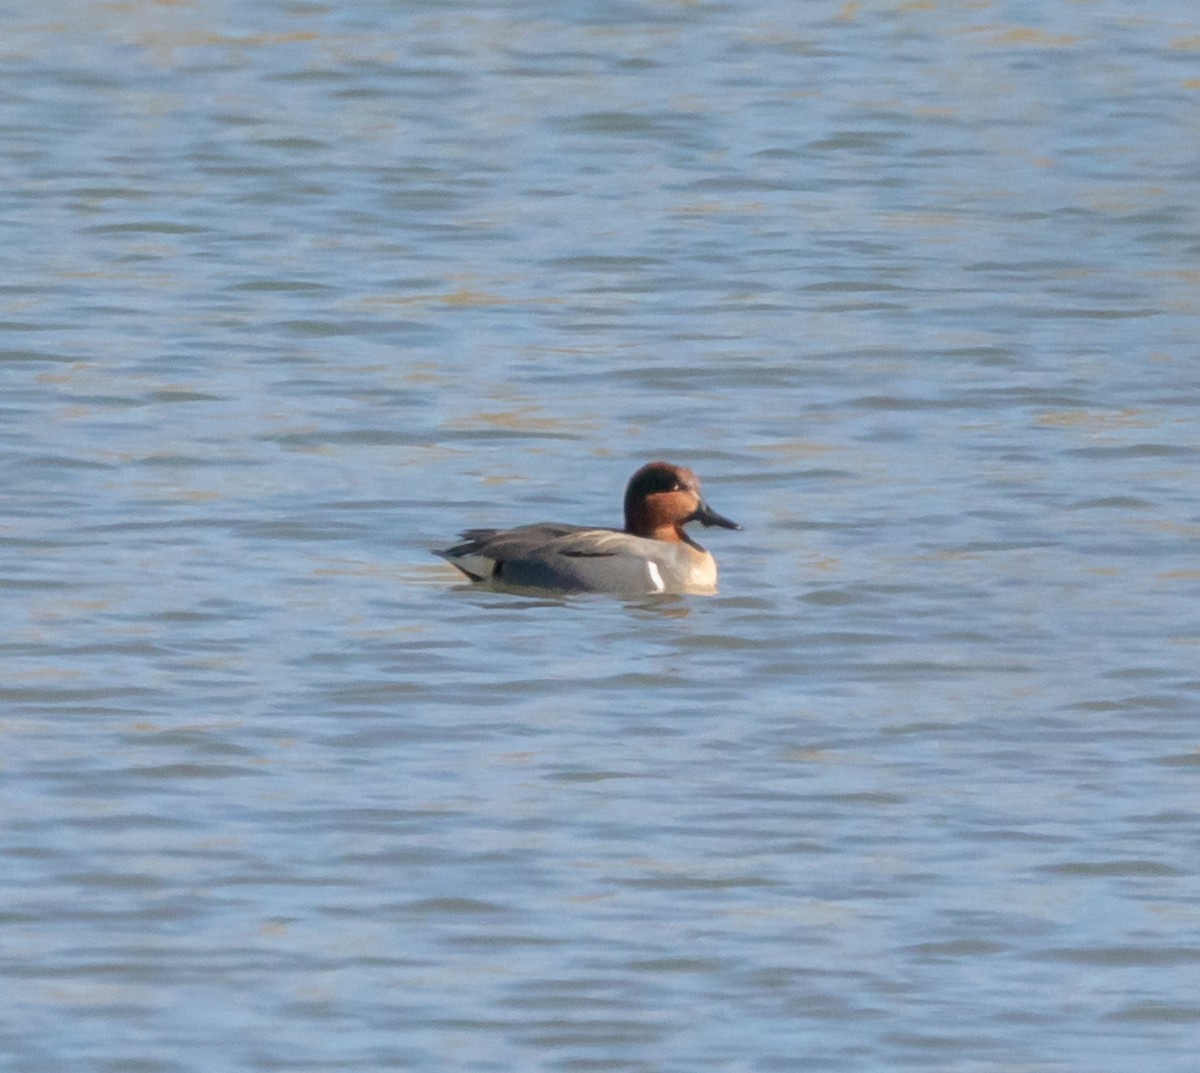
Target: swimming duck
652, 554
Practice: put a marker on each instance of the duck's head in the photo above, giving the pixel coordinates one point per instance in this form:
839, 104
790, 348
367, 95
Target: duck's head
662, 498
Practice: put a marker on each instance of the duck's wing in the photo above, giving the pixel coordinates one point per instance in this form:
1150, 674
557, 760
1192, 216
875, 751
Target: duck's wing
587, 560
564, 558
483, 552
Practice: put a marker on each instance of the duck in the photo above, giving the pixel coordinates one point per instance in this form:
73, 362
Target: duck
651, 555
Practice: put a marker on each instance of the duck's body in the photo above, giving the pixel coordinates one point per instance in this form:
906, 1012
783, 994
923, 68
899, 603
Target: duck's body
574, 558
651, 555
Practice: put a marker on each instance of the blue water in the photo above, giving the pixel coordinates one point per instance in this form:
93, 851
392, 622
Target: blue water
291, 293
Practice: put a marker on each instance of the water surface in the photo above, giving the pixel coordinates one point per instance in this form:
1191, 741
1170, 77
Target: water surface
293, 292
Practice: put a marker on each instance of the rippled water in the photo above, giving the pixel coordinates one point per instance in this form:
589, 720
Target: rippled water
292, 292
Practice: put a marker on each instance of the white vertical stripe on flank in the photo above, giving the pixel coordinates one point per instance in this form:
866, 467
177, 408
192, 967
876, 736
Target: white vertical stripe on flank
655, 577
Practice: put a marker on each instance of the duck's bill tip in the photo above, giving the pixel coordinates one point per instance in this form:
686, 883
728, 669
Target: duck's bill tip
706, 516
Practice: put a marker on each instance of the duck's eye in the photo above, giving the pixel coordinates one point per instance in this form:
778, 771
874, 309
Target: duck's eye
657, 482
